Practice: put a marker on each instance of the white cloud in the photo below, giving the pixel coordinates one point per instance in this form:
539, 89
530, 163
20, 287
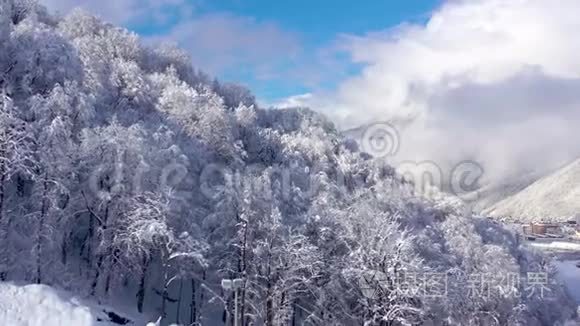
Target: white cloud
493, 80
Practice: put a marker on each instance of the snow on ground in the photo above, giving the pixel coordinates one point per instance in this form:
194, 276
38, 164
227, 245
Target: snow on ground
41, 305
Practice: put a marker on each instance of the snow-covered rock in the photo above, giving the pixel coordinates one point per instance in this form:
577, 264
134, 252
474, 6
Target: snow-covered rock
41, 305
555, 197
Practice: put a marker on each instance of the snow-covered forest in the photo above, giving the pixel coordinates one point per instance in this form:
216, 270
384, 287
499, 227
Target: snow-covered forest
128, 176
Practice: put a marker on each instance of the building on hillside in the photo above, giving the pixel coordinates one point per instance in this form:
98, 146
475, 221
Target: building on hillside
541, 229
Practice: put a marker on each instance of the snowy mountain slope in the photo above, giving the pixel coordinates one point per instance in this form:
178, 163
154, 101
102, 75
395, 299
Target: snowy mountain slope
494, 192
41, 305
555, 197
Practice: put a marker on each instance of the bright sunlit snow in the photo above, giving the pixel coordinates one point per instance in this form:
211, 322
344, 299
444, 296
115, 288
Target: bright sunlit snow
41, 305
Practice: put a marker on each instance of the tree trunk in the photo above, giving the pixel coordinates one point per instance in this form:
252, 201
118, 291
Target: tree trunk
201, 298
193, 305
41, 220
110, 271
243, 304
2, 180
269, 295
141, 291
164, 303
63, 250
102, 255
294, 312
243, 276
90, 241
283, 300
178, 313
2, 177
97, 275
269, 305
231, 308
108, 281
19, 186
164, 295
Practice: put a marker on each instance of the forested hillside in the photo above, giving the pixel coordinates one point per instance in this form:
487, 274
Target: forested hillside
129, 176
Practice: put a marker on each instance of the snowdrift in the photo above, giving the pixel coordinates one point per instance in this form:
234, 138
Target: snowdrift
41, 305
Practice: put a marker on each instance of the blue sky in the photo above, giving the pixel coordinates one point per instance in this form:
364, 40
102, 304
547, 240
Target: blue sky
297, 40
320, 21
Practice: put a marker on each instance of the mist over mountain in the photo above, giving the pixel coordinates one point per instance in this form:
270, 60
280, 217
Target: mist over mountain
491, 81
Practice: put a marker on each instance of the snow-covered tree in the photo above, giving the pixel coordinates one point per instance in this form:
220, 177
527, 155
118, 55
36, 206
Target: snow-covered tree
16, 153
234, 95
